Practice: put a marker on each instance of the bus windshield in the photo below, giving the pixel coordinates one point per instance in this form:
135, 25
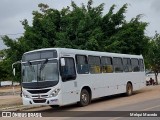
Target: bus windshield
40, 73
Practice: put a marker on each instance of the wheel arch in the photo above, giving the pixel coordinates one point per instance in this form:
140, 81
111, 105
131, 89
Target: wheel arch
129, 82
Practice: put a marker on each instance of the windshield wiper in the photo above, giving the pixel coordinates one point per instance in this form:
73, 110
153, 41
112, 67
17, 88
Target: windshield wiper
43, 65
41, 68
30, 66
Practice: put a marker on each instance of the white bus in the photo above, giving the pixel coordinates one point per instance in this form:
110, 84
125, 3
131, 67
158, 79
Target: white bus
61, 76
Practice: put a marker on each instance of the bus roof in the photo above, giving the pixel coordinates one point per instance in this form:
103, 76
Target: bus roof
86, 52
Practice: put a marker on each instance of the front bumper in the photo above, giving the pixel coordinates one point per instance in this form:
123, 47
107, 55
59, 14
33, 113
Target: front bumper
41, 101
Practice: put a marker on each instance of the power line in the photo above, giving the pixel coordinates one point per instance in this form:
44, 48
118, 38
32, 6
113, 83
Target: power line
10, 34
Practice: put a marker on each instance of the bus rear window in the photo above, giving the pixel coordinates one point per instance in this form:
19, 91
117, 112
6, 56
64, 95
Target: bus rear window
135, 65
141, 64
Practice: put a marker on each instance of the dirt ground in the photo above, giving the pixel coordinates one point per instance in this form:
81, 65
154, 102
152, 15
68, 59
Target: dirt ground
10, 96
9, 89
10, 100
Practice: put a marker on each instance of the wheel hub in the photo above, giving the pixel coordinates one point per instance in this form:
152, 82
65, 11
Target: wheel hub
84, 98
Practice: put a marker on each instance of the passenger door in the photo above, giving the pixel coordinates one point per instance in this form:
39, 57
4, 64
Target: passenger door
69, 83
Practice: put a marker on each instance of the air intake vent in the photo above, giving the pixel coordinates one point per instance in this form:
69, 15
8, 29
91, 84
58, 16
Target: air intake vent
39, 100
38, 91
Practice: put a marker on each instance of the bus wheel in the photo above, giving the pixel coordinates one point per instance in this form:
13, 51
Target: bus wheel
84, 98
129, 89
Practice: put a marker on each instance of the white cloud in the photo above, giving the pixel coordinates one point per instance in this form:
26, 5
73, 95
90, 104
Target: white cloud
156, 6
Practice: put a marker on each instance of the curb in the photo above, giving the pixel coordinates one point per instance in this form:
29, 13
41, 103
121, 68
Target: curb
19, 108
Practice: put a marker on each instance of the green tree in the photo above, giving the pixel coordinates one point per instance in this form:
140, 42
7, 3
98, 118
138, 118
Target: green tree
1, 67
130, 39
153, 56
4, 73
82, 27
12, 54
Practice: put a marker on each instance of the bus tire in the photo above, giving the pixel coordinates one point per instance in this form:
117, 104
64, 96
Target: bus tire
129, 89
84, 98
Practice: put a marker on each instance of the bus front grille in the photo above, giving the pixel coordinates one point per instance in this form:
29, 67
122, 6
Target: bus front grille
42, 96
38, 91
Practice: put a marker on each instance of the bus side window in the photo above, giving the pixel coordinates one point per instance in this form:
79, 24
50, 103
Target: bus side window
94, 64
107, 66
118, 65
141, 64
82, 64
68, 71
135, 65
127, 65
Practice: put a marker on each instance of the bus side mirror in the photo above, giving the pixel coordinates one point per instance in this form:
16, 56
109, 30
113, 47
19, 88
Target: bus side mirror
62, 62
14, 71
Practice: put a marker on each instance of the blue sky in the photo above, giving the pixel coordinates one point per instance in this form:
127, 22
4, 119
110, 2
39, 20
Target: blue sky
14, 11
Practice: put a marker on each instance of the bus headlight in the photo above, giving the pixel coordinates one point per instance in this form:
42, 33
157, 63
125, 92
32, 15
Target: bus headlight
25, 95
54, 92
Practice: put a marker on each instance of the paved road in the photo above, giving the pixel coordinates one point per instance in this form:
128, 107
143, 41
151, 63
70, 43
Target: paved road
147, 99
119, 112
